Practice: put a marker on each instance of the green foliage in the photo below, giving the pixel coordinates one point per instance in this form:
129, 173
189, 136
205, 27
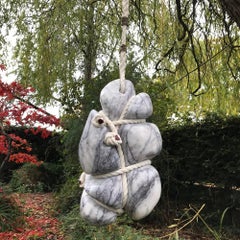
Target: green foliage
64, 43
207, 151
193, 47
75, 226
28, 178
10, 214
69, 195
163, 105
201, 164
70, 141
52, 175
31, 178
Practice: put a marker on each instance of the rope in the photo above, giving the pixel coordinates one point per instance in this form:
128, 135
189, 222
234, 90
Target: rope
124, 170
117, 211
123, 49
113, 138
101, 120
124, 112
124, 176
128, 121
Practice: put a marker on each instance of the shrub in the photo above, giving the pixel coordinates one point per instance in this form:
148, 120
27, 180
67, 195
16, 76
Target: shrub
200, 163
74, 226
10, 214
28, 178
31, 178
69, 195
52, 175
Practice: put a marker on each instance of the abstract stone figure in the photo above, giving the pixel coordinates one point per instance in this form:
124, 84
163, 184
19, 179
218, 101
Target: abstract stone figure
115, 150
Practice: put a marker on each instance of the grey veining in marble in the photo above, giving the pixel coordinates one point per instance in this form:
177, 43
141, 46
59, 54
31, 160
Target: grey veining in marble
144, 191
101, 197
96, 157
110, 195
95, 213
141, 141
113, 101
136, 112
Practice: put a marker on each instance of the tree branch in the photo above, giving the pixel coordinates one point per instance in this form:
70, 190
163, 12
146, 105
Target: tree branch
232, 7
33, 106
9, 143
195, 69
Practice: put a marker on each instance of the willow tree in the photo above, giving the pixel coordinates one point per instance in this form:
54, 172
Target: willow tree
192, 47
232, 7
62, 45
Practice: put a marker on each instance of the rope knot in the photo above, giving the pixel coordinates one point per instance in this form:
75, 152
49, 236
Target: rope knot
112, 138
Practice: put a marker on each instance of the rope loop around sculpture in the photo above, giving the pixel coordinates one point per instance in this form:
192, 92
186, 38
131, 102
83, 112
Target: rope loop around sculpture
124, 170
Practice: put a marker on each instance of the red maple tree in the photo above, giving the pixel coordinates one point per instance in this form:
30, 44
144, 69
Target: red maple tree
17, 110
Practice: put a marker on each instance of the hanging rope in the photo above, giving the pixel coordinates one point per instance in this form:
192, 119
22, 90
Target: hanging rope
123, 49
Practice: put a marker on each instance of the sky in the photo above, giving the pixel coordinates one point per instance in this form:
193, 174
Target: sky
8, 76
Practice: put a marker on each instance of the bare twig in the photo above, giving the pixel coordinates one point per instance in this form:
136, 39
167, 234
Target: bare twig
197, 214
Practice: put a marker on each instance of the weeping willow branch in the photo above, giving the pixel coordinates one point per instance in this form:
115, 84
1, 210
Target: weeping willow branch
167, 54
198, 67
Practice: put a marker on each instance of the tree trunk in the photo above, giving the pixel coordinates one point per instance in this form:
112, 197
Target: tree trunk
90, 53
6, 158
232, 7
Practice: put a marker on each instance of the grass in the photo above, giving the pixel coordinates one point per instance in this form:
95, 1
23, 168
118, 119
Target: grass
190, 225
10, 214
74, 227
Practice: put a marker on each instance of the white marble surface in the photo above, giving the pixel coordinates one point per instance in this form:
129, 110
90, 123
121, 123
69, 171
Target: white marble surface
96, 157
113, 101
108, 191
139, 142
144, 189
95, 213
140, 107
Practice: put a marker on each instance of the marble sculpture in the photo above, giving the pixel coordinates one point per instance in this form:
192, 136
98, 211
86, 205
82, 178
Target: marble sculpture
115, 150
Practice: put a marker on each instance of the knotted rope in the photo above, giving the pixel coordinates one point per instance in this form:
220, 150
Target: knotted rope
123, 49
